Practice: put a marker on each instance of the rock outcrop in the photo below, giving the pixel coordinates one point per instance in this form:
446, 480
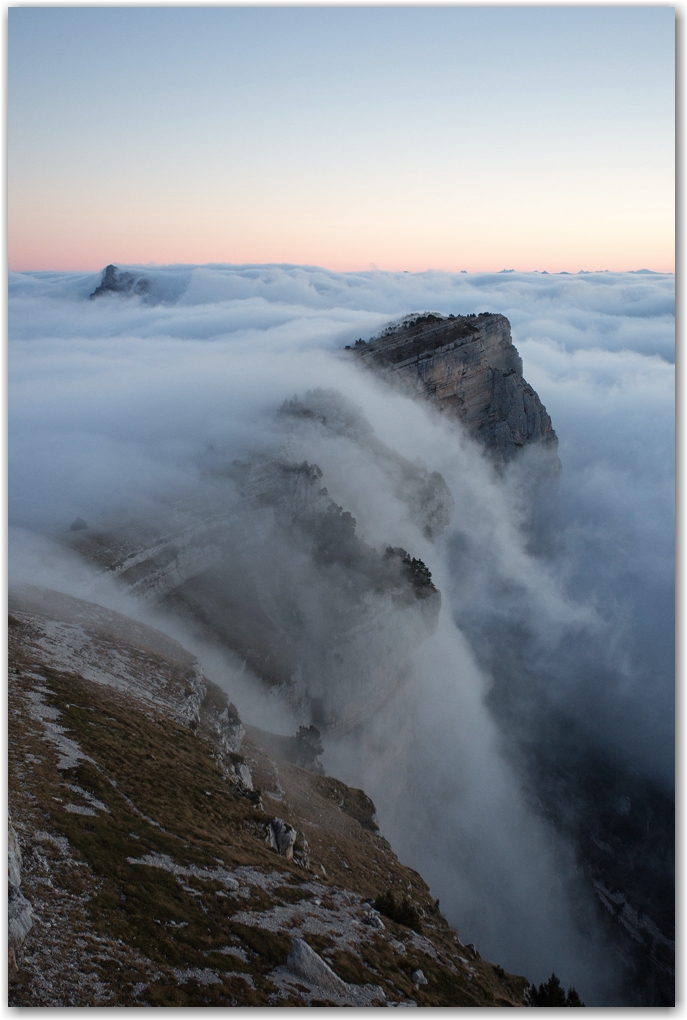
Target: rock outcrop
305, 965
19, 910
282, 838
467, 366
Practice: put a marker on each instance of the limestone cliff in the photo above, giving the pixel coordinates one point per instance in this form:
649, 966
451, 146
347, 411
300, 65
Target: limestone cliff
172, 857
468, 367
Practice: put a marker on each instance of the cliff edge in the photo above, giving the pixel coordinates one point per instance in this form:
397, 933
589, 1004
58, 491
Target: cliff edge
467, 366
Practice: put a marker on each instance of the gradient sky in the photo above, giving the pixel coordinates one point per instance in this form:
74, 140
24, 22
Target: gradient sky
402, 138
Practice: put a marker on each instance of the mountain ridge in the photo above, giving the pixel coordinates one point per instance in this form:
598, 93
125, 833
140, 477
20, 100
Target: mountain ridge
262, 561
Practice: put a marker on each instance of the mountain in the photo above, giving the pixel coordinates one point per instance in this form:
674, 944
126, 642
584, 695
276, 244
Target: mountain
264, 564
164, 854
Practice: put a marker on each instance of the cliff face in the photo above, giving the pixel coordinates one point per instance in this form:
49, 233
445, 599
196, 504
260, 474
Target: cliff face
172, 857
468, 367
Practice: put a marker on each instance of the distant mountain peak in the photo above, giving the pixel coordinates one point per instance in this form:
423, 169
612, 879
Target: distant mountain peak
116, 281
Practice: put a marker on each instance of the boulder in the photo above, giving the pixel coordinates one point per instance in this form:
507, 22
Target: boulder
282, 837
306, 964
373, 919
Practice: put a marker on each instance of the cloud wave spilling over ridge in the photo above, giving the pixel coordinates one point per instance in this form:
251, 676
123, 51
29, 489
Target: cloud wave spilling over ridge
113, 401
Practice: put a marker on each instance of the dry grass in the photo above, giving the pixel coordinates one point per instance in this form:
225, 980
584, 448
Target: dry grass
136, 929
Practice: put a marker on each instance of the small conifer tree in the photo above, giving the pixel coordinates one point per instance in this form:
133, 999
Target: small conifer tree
551, 993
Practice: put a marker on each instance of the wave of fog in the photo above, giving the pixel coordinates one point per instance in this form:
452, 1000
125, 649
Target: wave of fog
113, 401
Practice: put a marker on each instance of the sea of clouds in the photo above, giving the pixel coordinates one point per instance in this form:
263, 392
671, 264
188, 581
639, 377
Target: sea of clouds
112, 402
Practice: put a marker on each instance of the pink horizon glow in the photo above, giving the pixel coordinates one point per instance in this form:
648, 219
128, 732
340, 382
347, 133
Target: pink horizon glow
88, 254
93, 265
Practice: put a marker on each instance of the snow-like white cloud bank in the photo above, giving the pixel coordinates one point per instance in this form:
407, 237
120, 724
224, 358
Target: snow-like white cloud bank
112, 402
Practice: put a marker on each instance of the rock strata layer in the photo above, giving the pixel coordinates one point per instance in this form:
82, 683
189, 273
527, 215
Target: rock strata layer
467, 366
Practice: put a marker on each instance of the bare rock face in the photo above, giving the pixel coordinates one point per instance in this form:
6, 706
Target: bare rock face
468, 367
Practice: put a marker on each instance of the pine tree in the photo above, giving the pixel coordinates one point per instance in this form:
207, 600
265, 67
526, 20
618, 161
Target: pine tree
551, 993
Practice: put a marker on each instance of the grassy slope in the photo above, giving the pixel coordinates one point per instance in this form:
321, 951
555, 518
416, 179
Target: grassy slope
114, 932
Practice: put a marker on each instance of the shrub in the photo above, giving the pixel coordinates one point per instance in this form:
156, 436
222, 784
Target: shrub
402, 913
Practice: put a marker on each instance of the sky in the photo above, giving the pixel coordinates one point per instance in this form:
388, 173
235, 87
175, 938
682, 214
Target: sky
443, 138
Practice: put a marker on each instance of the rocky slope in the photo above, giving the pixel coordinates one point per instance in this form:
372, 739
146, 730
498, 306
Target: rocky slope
166, 855
467, 366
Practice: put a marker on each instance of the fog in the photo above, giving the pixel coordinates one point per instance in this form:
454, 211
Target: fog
120, 409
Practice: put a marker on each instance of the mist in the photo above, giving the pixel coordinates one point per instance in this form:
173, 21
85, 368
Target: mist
130, 409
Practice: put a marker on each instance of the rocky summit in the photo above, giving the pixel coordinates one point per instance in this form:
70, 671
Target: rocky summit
468, 367
164, 854
117, 281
